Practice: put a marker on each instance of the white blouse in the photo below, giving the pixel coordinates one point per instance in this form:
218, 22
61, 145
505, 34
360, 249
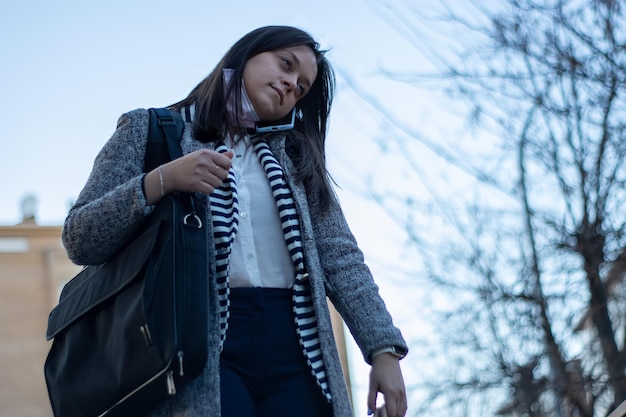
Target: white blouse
259, 256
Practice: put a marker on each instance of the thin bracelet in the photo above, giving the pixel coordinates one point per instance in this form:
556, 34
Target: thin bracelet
161, 179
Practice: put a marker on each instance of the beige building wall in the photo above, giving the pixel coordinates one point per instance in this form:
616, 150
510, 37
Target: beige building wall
33, 268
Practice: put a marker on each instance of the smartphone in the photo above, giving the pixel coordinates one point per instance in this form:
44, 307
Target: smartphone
286, 123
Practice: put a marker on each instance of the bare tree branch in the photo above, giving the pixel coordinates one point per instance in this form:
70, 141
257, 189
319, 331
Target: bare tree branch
533, 269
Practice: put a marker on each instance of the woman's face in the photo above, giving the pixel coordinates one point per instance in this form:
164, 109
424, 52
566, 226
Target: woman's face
276, 80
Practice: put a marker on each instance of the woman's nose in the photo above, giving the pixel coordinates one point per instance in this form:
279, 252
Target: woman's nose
290, 81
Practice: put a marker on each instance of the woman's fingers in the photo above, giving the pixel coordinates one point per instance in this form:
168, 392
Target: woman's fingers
200, 171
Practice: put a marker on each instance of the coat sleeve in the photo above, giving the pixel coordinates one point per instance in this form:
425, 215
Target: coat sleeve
112, 205
349, 282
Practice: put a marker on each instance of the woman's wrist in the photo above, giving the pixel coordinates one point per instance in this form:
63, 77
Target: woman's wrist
391, 350
154, 186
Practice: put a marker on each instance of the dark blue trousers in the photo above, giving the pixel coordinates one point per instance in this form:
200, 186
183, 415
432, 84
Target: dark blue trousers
263, 371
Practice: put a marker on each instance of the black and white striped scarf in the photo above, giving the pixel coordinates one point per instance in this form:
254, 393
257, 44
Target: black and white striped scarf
224, 212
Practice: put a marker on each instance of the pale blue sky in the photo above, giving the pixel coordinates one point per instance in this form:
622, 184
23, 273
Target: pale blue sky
70, 68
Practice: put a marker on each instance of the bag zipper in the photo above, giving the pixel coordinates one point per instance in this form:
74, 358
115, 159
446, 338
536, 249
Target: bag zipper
171, 387
181, 371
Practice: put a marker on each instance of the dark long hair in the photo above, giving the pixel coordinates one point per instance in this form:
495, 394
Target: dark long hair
305, 143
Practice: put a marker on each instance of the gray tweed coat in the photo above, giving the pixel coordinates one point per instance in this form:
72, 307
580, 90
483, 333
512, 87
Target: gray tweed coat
112, 207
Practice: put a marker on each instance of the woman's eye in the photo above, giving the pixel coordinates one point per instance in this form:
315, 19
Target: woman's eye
286, 62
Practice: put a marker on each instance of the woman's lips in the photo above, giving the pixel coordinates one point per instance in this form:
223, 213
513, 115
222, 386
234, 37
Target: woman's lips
281, 95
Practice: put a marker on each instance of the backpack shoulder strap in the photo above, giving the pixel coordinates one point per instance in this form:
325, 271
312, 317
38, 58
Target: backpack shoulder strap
165, 132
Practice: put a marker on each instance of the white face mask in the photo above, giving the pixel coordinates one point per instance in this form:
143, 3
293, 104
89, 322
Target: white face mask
247, 115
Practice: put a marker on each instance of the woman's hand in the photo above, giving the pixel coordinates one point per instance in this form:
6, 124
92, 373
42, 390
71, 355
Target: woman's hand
200, 171
386, 377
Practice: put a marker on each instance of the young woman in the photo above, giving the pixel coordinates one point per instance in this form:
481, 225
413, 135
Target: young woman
280, 244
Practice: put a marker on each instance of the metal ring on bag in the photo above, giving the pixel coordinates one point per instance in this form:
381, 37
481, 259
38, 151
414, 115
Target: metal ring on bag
195, 218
